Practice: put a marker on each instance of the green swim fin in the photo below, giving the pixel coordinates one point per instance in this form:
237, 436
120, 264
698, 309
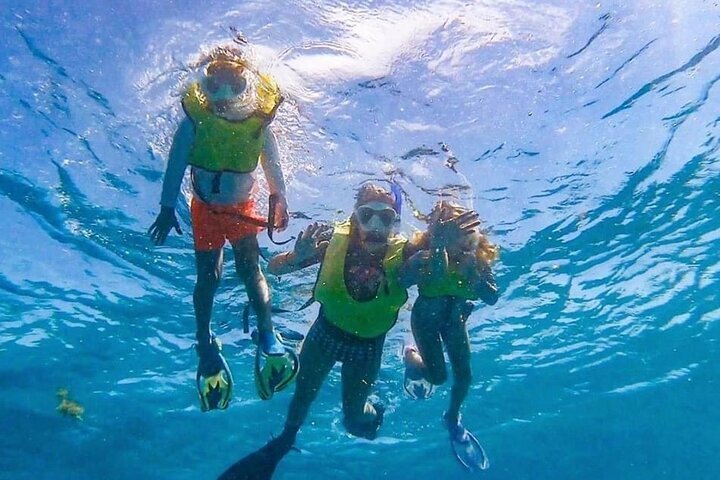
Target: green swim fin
274, 372
213, 379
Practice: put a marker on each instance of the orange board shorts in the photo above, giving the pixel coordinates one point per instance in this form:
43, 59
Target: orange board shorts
213, 224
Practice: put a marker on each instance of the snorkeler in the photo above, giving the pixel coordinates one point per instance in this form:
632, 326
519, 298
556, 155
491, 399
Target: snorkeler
451, 269
224, 135
360, 295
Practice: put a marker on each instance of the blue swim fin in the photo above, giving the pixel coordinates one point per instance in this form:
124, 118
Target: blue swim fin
467, 448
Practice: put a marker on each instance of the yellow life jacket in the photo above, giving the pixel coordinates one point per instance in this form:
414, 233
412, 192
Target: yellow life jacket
451, 284
225, 145
268, 97
368, 319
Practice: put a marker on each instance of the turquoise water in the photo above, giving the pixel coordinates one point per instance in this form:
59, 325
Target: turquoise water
585, 133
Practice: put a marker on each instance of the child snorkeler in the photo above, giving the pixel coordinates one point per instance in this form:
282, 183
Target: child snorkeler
451, 269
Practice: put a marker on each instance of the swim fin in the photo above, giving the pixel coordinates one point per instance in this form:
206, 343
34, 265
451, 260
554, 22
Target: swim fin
414, 383
368, 430
467, 448
213, 379
274, 372
261, 464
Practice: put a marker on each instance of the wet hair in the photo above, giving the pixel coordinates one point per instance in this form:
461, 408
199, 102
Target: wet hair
221, 57
225, 55
223, 63
224, 66
224, 59
486, 251
216, 66
371, 192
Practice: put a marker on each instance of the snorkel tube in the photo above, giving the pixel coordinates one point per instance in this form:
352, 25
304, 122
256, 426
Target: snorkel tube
397, 196
272, 203
395, 190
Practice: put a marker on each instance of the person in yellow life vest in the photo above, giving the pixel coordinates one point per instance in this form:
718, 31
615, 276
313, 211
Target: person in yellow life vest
223, 137
360, 295
451, 268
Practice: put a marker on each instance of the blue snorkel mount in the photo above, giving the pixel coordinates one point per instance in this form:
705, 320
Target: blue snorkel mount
397, 196
395, 190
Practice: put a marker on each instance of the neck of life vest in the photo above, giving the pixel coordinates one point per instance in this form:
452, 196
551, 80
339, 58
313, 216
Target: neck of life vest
367, 319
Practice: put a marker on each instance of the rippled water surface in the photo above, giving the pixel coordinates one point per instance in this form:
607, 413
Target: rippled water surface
585, 133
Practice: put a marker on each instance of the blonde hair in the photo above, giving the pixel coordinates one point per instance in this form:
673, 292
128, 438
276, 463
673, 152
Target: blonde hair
225, 55
486, 251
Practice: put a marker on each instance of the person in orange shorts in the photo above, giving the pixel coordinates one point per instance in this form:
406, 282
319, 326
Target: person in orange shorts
224, 136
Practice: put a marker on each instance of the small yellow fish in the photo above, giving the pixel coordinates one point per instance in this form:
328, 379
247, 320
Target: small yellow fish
68, 407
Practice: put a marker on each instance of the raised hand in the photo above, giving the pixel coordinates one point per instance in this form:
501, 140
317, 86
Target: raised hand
166, 221
446, 233
313, 239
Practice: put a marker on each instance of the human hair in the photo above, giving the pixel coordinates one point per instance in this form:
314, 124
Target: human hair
371, 192
225, 55
220, 60
444, 210
224, 60
216, 66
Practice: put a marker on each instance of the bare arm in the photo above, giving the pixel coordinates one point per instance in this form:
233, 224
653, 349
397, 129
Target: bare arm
174, 173
177, 163
270, 162
309, 249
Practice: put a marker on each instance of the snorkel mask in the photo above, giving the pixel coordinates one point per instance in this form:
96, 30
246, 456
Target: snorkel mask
225, 81
395, 192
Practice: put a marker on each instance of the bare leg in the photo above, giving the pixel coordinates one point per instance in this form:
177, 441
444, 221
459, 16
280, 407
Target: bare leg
458, 347
209, 272
360, 417
248, 269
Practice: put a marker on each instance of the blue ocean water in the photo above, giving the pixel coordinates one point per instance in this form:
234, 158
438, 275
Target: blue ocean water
585, 133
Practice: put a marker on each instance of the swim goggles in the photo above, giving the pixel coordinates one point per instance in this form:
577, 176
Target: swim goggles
387, 215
